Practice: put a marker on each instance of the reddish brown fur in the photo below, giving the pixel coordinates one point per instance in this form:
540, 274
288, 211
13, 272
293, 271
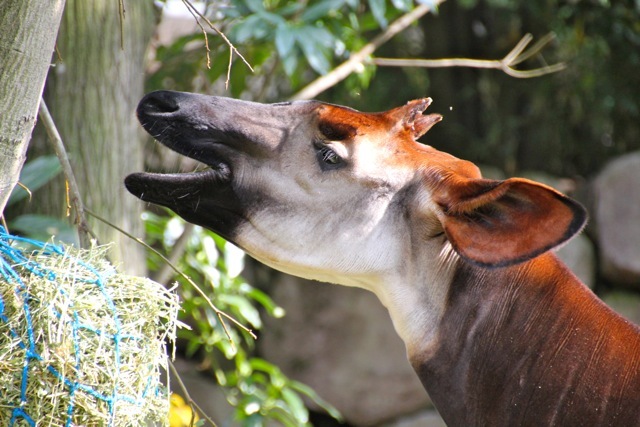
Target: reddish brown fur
530, 345
521, 345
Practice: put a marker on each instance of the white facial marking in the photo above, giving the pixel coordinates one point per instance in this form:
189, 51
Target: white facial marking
347, 227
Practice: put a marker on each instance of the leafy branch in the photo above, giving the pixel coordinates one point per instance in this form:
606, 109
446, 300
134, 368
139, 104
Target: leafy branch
342, 71
517, 55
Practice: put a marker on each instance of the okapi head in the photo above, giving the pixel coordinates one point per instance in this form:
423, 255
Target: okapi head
329, 193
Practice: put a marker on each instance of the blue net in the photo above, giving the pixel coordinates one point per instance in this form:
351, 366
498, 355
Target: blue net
52, 364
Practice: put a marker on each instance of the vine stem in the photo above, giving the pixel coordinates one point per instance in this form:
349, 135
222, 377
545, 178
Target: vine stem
74, 199
219, 313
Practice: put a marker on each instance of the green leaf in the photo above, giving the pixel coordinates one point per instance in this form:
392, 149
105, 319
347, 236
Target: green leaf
272, 18
265, 301
285, 40
321, 10
379, 9
42, 227
254, 27
34, 175
244, 307
254, 5
313, 43
403, 5
296, 405
290, 63
258, 364
311, 394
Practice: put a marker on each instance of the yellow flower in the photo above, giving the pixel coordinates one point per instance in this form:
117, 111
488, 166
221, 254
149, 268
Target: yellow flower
180, 412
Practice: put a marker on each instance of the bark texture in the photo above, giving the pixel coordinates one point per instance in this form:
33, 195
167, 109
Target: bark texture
27, 40
92, 95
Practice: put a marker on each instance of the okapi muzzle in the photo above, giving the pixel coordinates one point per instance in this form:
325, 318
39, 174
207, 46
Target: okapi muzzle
499, 331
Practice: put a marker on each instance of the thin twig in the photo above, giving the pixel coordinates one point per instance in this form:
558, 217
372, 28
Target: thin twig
218, 312
84, 232
343, 70
192, 404
191, 10
536, 48
26, 189
163, 275
232, 48
516, 56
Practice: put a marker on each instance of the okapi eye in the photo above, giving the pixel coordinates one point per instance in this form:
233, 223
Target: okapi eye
329, 156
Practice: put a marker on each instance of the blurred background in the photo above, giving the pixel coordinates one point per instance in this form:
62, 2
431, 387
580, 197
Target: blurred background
324, 351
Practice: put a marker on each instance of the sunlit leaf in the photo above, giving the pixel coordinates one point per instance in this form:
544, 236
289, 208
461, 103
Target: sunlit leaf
295, 405
244, 307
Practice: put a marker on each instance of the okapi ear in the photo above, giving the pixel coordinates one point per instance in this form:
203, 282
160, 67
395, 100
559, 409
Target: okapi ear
411, 118
500, 223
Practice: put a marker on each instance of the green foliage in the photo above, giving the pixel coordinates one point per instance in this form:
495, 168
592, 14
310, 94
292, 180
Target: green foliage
34, 175
256, 388
584, 115
295, 40
570, 123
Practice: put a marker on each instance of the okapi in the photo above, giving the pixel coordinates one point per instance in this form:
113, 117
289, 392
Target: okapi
499, 331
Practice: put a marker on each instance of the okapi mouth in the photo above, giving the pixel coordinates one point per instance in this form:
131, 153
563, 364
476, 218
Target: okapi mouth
171, 189
206, 197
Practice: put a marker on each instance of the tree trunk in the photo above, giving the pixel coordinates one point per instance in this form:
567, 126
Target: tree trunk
92, 95
27, 40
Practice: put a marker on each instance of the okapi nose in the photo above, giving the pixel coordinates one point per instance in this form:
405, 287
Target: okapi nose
158, 102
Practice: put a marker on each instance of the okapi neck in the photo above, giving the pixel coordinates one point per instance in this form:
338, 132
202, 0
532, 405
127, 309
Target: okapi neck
530, 345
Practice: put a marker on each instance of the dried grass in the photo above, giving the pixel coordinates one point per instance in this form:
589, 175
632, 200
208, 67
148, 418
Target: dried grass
98, 344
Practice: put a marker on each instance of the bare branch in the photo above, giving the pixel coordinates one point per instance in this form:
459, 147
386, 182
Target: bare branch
516, 56
342, 71
165, 273
74, 197
232, 49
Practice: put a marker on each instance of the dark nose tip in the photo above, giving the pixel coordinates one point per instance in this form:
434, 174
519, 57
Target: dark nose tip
159, 102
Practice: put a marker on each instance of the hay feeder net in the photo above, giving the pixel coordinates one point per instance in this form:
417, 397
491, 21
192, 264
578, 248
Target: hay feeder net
80, 344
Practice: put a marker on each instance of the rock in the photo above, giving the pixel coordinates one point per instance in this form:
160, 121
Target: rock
617, 217
625, 303
424, 419
341, 342
580, 257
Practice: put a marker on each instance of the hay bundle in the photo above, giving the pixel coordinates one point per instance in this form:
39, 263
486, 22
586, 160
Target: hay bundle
80, 344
